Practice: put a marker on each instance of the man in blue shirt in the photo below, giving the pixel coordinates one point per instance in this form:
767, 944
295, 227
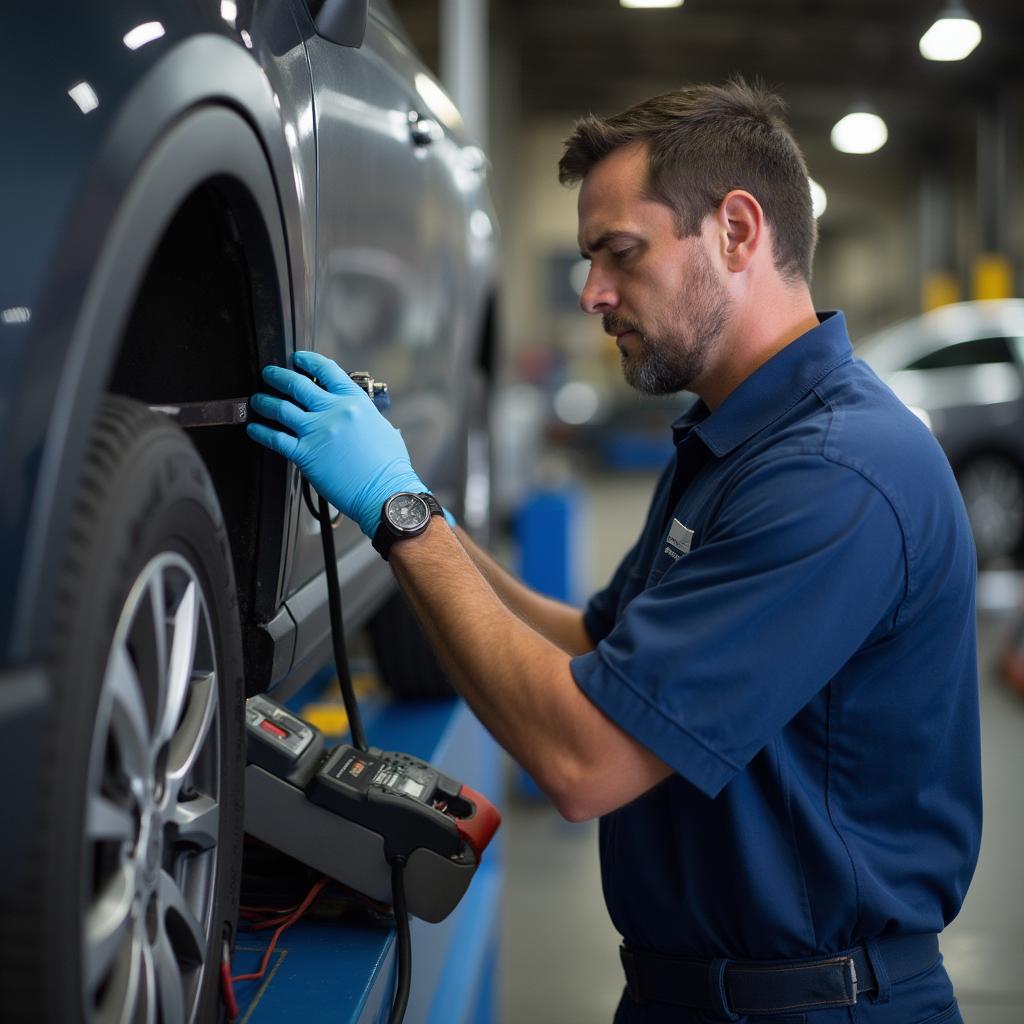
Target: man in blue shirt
773, 705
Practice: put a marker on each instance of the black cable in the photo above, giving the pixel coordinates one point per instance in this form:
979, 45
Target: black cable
401, 999
355, 720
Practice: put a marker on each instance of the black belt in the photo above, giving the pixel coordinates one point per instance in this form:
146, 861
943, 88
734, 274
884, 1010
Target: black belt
734, 987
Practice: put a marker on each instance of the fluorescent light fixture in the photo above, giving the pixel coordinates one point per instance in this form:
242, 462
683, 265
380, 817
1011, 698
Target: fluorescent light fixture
142, 34
859, 132
953, 36
637, 5
16, 315
229, 11
819, 200
85, 96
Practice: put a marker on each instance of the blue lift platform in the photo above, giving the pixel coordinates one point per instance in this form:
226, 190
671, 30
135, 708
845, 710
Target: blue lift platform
343, 972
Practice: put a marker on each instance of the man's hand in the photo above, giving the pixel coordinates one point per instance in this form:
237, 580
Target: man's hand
342, 445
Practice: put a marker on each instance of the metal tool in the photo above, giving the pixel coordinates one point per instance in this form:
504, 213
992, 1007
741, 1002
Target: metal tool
235, 411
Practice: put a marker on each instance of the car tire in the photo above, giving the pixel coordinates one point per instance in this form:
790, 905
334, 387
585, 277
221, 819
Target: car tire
136, 887
992, 486
407, 664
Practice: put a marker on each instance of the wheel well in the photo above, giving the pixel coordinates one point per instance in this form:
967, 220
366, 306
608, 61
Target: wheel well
208, 314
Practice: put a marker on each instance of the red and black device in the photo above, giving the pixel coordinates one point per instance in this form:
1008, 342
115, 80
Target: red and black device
353, 813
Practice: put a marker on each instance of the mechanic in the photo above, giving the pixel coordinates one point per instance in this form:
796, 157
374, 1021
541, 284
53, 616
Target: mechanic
773, 706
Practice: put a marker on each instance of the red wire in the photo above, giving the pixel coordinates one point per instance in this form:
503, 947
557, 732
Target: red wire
253, 911
229, 993
289, 921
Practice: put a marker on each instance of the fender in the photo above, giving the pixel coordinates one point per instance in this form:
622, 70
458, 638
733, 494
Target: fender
206, 108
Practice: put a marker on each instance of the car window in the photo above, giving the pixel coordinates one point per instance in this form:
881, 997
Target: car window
966, 353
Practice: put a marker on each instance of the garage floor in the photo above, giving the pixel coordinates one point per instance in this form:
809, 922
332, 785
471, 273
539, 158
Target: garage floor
560, 963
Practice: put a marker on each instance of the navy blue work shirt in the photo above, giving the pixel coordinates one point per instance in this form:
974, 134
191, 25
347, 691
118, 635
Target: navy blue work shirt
794, 635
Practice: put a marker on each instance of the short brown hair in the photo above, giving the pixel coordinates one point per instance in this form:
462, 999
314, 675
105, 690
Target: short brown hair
702, 142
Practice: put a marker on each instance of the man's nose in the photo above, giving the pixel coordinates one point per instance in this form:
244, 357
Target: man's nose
598, 295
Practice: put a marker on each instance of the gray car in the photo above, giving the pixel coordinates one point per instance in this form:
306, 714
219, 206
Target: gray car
188, 192
961, 368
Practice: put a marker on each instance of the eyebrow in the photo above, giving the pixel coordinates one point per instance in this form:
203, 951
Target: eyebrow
603, 239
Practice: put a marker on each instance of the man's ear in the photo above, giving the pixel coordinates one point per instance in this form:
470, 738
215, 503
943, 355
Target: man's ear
740, 221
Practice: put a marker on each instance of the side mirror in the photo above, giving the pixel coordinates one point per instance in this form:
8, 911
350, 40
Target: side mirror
340, 21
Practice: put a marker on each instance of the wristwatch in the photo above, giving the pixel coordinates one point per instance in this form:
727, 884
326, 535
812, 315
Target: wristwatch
404, 515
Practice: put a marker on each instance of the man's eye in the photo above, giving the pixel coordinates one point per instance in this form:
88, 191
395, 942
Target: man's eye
621, 254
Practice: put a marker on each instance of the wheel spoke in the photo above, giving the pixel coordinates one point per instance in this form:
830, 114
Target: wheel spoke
184, 931
108, 928
175, 693
194, 731
170, 983
148, 1014
105, 821
128, 720
198, 822
125, 990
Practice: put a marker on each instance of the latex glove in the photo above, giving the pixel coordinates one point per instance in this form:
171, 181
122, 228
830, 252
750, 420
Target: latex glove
342, 445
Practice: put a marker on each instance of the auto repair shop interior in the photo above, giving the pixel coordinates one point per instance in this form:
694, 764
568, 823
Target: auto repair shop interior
198, 192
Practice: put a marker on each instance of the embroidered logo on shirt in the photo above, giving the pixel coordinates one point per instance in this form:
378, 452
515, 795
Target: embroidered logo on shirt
678, 541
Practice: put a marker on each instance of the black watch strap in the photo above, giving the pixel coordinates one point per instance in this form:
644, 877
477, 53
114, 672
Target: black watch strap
386, 535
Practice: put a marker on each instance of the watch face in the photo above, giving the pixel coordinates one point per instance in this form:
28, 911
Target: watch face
407, 512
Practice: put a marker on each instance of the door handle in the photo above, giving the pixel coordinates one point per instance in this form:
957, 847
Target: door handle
423, 130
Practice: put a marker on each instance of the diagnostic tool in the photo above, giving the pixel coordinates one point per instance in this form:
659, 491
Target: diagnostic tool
350, 813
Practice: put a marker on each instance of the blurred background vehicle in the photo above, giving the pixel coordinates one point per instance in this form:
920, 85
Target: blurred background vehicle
961, 369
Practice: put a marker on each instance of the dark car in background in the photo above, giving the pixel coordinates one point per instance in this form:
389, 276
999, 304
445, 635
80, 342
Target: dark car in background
191, 191
961, 368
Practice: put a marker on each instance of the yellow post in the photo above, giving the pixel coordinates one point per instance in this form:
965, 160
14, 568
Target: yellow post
939, 288
993, 276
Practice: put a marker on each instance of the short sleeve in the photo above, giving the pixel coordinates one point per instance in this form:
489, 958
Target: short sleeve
803, 561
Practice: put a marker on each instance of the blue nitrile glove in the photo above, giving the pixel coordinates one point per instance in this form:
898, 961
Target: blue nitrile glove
342, 445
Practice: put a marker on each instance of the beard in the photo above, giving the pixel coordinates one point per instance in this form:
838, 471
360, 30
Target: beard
674, 351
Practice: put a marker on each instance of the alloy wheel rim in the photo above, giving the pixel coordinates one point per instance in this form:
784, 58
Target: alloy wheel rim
152, 815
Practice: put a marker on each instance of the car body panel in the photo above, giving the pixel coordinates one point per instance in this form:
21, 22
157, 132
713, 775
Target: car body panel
398, 283
66, 347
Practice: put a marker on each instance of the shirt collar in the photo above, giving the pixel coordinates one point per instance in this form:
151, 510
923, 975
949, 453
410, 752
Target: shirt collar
771, 389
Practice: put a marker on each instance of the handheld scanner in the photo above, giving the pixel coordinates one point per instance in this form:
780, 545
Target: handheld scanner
349, 813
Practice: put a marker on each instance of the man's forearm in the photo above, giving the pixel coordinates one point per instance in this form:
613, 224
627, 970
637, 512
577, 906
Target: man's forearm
519, 683
560, 623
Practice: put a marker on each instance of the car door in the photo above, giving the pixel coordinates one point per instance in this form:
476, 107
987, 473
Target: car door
390, 241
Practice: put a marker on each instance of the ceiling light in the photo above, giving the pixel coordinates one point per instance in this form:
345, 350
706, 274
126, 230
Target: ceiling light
650, 4
85, 96
142, 34
859, 132
819, 200
953, 36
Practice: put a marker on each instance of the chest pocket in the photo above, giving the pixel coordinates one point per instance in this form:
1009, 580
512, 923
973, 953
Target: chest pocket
675, 545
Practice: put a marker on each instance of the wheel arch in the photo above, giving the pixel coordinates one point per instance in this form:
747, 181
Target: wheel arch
208, 142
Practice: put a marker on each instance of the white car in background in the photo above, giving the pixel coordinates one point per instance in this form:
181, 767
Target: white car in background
961, 369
